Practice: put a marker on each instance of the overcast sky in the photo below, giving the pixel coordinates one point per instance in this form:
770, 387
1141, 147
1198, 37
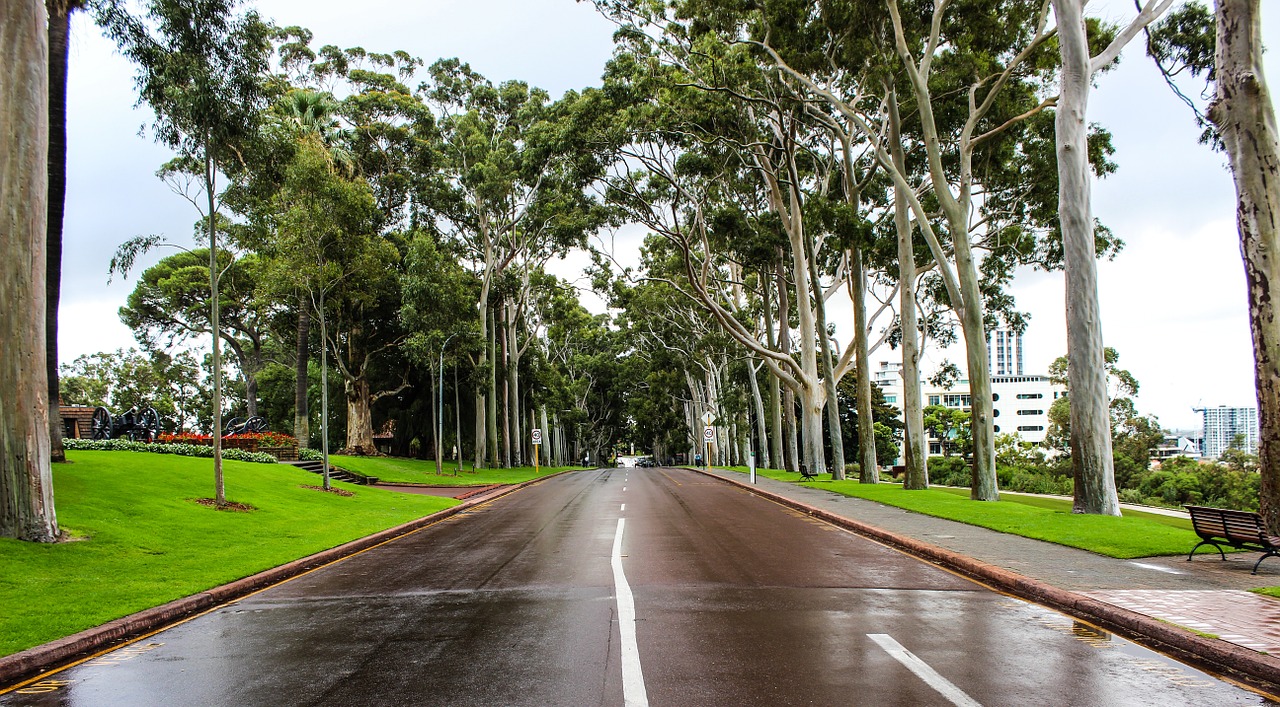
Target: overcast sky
1173, 302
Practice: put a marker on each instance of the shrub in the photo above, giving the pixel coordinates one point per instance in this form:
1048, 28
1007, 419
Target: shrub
183, 450
310, 455
949, 471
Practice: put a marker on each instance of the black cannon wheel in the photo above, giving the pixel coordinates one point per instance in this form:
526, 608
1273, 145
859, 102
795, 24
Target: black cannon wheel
100, 427
234, 427
147, 425
255, 424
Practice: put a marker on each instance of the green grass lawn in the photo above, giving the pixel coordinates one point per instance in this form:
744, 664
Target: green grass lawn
420, 471
1136, 534
143, 541
1268, 591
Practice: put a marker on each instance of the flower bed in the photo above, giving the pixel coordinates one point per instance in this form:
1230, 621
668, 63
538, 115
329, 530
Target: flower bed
280, 446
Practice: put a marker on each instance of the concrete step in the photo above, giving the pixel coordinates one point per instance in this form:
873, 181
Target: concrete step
317, 467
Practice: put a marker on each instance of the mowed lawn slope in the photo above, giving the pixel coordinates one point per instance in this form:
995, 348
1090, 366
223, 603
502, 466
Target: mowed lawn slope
1136, 534
142, 540
423, 471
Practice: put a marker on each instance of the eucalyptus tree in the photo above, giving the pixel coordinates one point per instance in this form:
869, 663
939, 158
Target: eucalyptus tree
508, 190
688, 153
200, 68
26, 481
969, 77
435, 310
170, 305
1095, 487
1244, 116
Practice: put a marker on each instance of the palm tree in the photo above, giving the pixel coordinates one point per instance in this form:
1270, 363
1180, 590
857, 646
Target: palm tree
310, 115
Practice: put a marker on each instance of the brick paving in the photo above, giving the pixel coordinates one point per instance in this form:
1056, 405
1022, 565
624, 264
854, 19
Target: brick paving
1238, 617
1205, 595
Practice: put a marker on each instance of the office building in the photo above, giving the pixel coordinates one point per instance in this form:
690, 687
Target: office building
1004, 352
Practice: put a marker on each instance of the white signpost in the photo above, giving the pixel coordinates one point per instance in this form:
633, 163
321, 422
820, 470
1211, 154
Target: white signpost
751, 463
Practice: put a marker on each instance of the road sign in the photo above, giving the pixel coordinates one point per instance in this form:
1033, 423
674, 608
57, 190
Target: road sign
708, 418
709, 434
537, 435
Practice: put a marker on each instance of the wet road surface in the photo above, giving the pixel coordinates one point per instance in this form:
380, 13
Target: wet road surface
630, 586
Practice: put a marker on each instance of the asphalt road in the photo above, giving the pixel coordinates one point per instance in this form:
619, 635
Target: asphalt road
630, 586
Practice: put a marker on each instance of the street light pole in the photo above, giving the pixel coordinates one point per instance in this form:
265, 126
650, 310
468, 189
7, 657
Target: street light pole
440, 407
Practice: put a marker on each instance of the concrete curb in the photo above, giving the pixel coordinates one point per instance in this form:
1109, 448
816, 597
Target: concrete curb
1242, 664
49, 655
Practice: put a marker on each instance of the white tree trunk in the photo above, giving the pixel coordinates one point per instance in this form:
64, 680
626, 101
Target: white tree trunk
1244, 115
914, 453
1095, 488
26, 481
868, 473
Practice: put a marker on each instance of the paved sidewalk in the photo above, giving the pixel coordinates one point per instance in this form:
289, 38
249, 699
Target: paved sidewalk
1206, 595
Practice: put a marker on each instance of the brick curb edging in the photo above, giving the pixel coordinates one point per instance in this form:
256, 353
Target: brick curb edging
1237, 662
43, 657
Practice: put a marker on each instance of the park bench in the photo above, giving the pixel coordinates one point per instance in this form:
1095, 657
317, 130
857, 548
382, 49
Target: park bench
1242, 530
805, 474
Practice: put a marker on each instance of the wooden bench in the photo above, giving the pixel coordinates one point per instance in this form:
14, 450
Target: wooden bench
1242, 530
805, 474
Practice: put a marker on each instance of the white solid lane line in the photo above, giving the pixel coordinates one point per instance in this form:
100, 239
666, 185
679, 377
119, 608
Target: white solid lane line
624, 506
922, 670
633, 692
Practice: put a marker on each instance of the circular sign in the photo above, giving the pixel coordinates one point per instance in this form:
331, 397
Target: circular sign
709, 434
537, 435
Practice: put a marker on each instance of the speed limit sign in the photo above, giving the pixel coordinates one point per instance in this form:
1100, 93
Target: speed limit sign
537, 435
709, 434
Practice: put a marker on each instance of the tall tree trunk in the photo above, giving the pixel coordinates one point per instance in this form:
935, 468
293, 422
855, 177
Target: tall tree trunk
914, 452
834, 433
359, 416
507, 418
1095, 487
513, 375
491, 407
301, 377
324, 391
1244, 115
59, 31
868, 471
26, 481
775, 392
784, 345
762, 435
210, 175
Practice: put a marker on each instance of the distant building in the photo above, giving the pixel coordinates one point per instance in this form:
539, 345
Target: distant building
1174, 445
1004, 352
1020, 403
1221, 426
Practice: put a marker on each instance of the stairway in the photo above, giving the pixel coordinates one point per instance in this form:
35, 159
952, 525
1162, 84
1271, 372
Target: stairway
351, 477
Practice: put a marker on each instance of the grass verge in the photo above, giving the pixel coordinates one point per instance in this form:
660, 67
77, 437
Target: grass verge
143, 540
421, 471
1267, 591
1135, 534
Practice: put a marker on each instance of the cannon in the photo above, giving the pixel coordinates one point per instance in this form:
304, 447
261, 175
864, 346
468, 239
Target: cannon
239, 425
138, 425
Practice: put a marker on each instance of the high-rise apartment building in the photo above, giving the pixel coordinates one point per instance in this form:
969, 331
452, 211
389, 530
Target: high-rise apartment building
1004, 352
1222, 424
